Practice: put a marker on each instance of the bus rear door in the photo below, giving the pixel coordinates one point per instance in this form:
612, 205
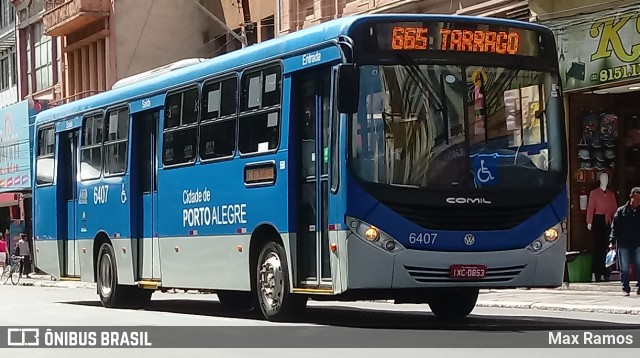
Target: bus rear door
310, 116
145, 191
67, 195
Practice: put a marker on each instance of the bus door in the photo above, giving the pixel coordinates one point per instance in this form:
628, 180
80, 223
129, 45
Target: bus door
145, 191
68, 190
310, 117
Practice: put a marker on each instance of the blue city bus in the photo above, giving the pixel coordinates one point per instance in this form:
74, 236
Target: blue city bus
417, 158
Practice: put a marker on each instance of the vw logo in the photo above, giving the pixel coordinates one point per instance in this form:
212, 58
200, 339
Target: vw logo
469, 239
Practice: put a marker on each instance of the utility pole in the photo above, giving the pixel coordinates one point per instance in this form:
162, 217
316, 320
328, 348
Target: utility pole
248, 27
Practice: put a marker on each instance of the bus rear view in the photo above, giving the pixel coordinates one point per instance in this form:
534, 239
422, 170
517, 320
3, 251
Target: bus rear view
455, 159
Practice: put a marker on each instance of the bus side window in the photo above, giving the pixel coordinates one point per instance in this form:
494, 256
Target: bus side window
91, 153
219, 114
259, 129
116, 143
45, 159
180, 132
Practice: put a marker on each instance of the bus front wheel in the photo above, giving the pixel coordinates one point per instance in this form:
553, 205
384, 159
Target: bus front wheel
276, 301
453, 303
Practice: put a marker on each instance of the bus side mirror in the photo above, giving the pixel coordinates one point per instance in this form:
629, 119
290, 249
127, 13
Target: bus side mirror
348, 88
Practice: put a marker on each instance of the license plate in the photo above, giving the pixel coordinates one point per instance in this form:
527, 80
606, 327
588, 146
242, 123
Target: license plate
469, 272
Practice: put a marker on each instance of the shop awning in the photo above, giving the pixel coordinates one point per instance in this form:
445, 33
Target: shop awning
8, 199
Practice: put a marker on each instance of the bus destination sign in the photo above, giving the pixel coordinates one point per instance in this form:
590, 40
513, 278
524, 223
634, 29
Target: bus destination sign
452, 37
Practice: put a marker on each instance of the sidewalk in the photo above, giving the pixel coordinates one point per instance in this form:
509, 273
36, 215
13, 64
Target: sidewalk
602, 297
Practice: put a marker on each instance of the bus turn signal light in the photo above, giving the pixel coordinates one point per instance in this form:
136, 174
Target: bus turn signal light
333, 247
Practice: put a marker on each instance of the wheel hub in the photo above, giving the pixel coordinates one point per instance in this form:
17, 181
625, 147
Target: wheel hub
271, 281
106, 275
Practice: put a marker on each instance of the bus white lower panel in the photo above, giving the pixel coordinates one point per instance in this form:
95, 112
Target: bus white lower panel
207, 262
47, 257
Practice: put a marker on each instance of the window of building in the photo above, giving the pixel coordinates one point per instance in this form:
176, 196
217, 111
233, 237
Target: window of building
91, 153
43, 68
45, 159
14, 69
116, 143
259, 127
267, 28
7, 13
27, 39
181, 127
5, 72
218, 124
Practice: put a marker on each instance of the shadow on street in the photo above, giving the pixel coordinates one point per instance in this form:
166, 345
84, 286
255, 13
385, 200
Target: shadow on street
380, 319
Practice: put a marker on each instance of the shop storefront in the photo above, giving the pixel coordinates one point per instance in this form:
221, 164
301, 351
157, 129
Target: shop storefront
600, 64
15, 168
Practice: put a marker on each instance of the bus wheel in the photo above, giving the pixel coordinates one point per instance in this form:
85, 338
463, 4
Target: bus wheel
234, 300
111, 294
453, 303
276, 301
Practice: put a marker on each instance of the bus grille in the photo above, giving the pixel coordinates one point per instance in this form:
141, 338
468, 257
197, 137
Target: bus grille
447, 218
493, 274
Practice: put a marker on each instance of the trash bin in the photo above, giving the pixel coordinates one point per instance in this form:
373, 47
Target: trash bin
580, 268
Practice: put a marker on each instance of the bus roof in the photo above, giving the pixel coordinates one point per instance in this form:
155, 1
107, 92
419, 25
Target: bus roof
268, 49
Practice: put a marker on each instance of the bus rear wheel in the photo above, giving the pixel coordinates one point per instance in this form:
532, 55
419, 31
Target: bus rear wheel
111, 294
454, 303
276, 301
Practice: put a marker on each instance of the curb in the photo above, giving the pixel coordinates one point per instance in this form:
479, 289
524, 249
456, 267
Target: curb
560, 307
57, 284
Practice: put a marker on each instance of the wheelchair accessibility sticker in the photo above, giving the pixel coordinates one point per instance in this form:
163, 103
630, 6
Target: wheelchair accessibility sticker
485, 169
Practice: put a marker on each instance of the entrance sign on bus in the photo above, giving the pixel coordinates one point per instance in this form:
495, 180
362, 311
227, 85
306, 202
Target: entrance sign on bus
314, 58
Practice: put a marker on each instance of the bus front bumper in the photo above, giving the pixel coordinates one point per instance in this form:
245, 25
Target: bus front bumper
371, 268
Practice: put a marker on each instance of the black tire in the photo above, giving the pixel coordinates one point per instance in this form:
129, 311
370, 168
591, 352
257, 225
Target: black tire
6, 275
112, 295
16, 274
453, 303
235, 300
276, 301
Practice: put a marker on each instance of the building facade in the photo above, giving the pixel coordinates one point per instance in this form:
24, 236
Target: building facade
8, 75
70, 49
599, 55
297, 14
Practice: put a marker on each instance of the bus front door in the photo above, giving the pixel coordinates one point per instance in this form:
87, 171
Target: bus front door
67, 192
145, 189
311, 118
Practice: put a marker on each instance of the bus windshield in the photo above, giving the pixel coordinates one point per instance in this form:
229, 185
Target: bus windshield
452, 127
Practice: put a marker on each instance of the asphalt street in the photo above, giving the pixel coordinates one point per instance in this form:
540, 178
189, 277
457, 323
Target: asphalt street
58, 306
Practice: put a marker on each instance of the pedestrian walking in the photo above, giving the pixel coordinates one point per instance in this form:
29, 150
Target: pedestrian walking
4, 253
625, 236
22, 249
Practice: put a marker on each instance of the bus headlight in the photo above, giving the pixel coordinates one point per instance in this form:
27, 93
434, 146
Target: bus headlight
373, 236
551, 235
547, 239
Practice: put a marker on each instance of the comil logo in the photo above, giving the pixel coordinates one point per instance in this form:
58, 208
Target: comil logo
23, 337
468, 201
